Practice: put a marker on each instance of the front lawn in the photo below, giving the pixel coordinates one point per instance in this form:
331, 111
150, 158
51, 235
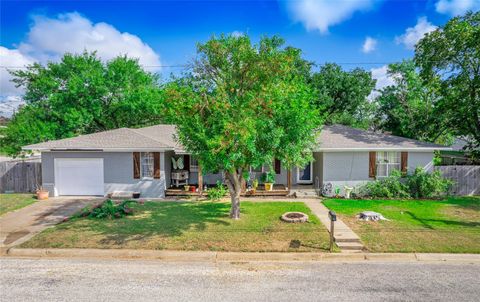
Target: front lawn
11, 202
447, 226
192, 226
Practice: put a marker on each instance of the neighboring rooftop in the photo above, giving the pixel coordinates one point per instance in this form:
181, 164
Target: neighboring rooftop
162, 137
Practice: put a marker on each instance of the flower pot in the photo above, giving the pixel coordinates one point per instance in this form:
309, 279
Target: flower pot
187, 188
268, 186
192, 188
136, 195
42, 195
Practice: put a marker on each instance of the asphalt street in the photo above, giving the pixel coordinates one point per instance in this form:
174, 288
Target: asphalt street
134, 280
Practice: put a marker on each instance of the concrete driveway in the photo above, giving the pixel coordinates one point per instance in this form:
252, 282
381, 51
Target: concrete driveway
19, 226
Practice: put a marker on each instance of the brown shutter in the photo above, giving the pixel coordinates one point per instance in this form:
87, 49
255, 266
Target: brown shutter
186, 162
278, 166
136, 165
156, 165
372, 165
404, 162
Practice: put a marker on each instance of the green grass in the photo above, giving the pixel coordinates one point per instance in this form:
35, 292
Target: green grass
12, 202
447, 226
192, 226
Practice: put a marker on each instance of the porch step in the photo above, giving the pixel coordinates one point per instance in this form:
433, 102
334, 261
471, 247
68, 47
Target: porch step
305, 193
350, 246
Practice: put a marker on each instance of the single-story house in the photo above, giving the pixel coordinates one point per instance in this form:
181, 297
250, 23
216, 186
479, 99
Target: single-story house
140, 160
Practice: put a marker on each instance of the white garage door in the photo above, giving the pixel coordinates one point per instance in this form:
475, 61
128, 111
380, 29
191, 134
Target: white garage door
79, 176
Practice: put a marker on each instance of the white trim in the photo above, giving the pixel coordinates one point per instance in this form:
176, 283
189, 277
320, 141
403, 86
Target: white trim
99, 149
305, 181
424, 149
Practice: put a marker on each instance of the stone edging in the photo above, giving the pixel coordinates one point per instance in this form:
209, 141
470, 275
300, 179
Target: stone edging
201, 256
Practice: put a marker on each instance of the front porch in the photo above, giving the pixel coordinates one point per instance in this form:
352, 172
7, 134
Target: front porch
278, 190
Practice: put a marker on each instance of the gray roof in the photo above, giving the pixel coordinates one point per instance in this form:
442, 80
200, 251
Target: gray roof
338, 137
155, 137
162, 137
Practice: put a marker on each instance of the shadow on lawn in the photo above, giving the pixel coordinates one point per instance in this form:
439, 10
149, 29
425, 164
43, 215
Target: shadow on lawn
427, 223
163, 219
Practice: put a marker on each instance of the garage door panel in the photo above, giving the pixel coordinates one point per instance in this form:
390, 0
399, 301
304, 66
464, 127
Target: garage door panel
79, 176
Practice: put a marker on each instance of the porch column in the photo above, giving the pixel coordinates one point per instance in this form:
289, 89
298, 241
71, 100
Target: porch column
200, 179
289, 179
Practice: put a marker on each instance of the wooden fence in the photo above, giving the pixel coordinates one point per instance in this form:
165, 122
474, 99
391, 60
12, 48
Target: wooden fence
20, 176
466, 178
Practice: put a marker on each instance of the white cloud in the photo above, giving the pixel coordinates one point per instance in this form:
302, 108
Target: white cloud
369, 45
49, 38
321, 14
413, 34
383, 80
456, 7
237, 34
9, 104
10, 58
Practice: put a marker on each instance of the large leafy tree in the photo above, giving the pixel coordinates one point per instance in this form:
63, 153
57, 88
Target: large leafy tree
79, 95
451, 56
342, 96
409, 107
242, 104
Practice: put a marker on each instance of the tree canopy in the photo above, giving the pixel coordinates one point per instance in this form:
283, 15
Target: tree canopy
81, 94
342, 96
242, 105
450, 56
409, 108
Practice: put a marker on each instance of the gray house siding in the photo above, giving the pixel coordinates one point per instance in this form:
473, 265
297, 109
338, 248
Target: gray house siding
351, 168
118, 172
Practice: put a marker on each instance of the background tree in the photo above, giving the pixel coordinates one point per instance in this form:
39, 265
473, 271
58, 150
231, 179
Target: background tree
409, 107
342, 95
243, 105
79, 95
451, 56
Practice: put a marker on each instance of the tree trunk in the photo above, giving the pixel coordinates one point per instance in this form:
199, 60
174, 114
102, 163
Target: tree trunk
234, 184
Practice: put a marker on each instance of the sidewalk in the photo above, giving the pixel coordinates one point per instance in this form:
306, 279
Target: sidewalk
344, 237
214, 257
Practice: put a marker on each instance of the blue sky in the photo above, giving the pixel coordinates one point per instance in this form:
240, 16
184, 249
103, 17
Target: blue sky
363, 33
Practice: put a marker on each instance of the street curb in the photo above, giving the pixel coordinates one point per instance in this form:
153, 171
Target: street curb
211, 256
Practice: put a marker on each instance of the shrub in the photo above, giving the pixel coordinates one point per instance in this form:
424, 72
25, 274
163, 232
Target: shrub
218, 192
111, 210
425, 185
389, 187
268, 177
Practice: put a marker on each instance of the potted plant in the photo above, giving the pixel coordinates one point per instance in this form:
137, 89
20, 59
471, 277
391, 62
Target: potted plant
348, 191
268, 179
255, 184
42, 194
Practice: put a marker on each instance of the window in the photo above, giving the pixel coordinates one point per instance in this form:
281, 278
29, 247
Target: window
257, 170
146, 160
193, 164
387, 162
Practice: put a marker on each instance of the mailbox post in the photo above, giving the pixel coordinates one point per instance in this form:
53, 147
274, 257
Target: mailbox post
333, 217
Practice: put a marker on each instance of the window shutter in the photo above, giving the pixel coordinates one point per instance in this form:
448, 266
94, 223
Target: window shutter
186, 160
372, 165
136, 165
278, 166
156, 165
404, 162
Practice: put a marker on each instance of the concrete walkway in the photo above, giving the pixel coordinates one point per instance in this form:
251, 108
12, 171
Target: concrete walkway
19, 226
344, 237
